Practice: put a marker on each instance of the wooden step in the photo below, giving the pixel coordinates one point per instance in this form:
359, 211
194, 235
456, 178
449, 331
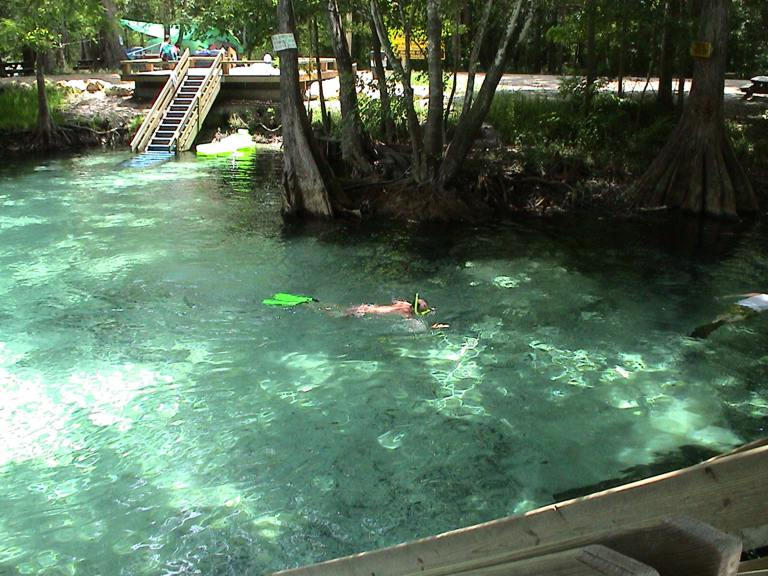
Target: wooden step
586, 561
681, 547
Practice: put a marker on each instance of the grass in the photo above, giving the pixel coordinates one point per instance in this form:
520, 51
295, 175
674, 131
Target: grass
18, 106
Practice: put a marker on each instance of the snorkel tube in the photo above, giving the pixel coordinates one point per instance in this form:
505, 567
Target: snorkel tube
416, 311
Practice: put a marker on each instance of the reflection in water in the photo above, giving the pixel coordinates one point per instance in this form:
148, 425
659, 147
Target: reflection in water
157, 419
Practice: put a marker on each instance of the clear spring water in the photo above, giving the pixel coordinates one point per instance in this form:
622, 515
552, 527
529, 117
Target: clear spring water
157, 419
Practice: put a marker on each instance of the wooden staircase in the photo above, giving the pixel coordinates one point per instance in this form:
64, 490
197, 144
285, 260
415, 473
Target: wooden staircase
180, 109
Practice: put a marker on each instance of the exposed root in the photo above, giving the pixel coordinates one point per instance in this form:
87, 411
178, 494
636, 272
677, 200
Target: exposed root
697, 171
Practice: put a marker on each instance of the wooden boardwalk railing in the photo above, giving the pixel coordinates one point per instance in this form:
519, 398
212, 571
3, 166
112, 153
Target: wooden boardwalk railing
691, 521
201, 105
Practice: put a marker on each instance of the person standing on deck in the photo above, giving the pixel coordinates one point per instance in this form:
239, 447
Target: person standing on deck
166, 50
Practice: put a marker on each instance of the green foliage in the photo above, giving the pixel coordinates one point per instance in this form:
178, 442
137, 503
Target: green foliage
749, 136
620, 136
18, 106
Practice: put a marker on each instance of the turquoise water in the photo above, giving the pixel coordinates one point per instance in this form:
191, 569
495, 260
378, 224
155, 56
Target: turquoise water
156, 419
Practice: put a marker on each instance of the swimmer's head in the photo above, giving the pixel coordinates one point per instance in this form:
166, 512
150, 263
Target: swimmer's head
420, 306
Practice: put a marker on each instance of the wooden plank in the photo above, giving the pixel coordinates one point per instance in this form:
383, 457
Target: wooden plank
682, 547
754, 565
587, 561
730, 493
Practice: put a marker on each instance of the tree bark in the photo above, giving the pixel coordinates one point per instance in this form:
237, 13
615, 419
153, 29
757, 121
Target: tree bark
387, 124
697, 171
355, 147
44, 132
469, 125
469, 94
308, 182
667, 59
591, 13
433, 137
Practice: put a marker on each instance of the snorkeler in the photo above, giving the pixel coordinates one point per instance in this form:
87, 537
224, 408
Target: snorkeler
418, 307
751, 305
403, 308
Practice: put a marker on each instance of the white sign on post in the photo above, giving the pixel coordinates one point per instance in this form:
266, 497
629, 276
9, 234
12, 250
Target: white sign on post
281, 42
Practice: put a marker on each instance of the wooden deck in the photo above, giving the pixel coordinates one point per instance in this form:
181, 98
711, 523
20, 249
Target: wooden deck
688, 522
241, 79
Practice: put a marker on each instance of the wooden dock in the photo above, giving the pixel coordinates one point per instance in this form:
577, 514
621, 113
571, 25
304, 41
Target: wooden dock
241, 79
693, 521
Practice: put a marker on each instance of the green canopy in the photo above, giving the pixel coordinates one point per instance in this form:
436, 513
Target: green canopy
194, 38
216, 36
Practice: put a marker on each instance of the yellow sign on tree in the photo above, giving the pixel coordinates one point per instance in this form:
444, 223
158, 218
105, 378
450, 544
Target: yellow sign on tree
418, 45
701, 50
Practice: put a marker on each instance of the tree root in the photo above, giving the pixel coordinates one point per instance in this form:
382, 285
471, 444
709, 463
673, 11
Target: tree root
697, 171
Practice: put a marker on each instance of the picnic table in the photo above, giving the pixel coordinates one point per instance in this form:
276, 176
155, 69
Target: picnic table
759, 86
88, 64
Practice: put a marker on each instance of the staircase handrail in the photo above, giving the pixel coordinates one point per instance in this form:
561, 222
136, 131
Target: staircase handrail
163, 100
215, 68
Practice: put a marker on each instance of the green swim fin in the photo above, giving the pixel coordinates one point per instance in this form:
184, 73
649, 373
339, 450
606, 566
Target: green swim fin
285, 300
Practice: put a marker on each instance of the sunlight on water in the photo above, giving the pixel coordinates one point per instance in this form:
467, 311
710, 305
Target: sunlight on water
157, 419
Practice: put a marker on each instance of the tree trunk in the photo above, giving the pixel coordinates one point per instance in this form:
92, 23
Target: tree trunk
387, 124
456, 57
469, 125
307, 179
591, 10
44, 132
355, 147
683, 57
697, 171
404, 71
667, 59
469, 94
318, 65
622, 46
433, 137
111, 51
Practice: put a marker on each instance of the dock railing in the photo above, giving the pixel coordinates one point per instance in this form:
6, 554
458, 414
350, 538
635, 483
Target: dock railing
202, 102
155, 65
163, 100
